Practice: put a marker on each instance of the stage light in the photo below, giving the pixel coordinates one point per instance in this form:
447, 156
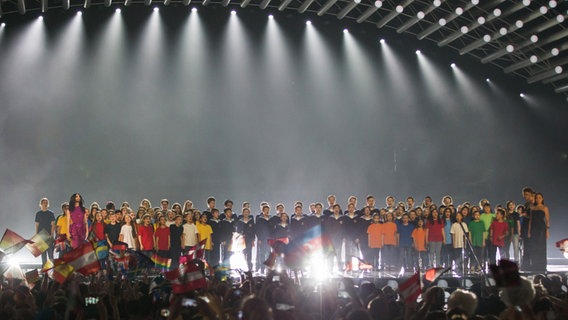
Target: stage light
552, 4
420, 15
527, 3
156, 9
453, 65
475, 2
193, 9
522, 95
533, 59
510, 48
309, 23
233, 12
345, 31
3, 24
481, 20
437, 3
555, 51
534, 38
399, 9
459, 11
382, 41
270, 17
442, 22
559, 18
464, 29
519, 24
543, 10
503, 31
497, 12
378, 4
118, 10
40, 18
79, 13
418, 52
486, 38
487, 80
558, 69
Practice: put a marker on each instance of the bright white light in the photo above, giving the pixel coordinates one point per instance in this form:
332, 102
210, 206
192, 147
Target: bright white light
560, 18
566, 253
533, 59
40, 18
519, 23
497, 12
345, 31
552, 4
118, 10
193, 9
309, 23
459, 11
464, 29
554, 51
543, 10
382, 41
522, 95
399, 9
418, 52
3, 24
486, 38
79, 13
442, 22
475, 2
233, 12
503, 31
453, 65
481, 20
12, 262
270, 16
510, 48
487, 80
527, 3
238, 261
420, 15
534, 38
558, 69
437, 3
378, 4
318, 266
156, 9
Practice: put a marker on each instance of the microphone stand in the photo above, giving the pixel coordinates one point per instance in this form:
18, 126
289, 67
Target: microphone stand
470, 245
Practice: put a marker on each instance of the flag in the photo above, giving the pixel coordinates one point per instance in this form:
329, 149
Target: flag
119, 246
161, 262
83, 259
32, 276
48, 265
12, 242
172, 274
41, 241
272, 242
193, 279
101, 249
61, 272
313, 240
140, 261
410, 289
195, 252
434, 273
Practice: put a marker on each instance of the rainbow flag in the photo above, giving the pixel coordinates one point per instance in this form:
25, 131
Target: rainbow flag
161, 262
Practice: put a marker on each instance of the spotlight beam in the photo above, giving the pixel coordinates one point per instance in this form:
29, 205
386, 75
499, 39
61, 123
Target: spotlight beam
44, 5
284, 4
245, 3
386, 19
305, 6
541, 76
350, 6
326, 7
435, 26
264, 4
367, 13
65, 4
21, 7
457, 34
412, 21
561, 89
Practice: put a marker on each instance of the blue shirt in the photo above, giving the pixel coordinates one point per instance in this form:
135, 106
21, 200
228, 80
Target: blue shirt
447, 228
405, 235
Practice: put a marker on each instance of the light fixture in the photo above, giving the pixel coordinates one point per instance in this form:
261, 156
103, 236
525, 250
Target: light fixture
420, 15
534, 38
117, 10
453, 65
193, 9
156, 9
533, 59
442, 22
459, 11
510, 48
79, 13
382, 41
487, 38
233, 12
345, 31
522, 95
487, 80
309, 23
270, 16
464, 29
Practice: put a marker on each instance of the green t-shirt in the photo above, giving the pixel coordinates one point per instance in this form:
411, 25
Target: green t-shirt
476, 229
487, 218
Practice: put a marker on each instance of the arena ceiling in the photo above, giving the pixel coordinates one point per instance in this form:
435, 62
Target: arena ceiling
526, 38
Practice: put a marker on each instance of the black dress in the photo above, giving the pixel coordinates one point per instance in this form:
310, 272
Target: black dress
538, 240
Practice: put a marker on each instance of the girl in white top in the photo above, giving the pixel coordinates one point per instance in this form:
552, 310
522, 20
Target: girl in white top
128, 233
189, 232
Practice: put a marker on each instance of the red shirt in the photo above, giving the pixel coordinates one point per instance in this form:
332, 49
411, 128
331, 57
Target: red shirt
435, 231
146, 234
163, 237
98, 229
497, 230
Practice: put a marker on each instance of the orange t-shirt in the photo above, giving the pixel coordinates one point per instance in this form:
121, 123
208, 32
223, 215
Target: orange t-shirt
375, 232
419, 236
389, 233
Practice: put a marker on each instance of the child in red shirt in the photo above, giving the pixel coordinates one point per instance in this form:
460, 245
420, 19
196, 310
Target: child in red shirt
498, 231
162, 238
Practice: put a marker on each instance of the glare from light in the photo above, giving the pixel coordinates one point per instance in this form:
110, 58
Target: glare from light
510, 48
79, 13
270, 16
464, 29
399, 9
378, 4
459, 11
558, 69
40, 18
481, 20
193, 9
3, 24
233, 12
560, 18
522, 95
318, 266
345, 31
238, 261
503, 31
309, 23
526, 3
118, 10
156, 9
453, 65
475, 2
555, 51
420, 15
418, 52
497, 12
382, 41
486, 38
437, 3
566, 253
552, 4
543, 10
534, 38
442, 22
487, 80
519, 23
533, 59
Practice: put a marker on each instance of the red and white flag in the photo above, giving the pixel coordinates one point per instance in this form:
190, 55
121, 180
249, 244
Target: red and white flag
193, 279
410, 289
83, 259
434, 273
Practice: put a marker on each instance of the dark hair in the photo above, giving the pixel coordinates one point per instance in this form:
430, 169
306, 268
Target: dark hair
210, 199
431, 217
73, 203
528, 189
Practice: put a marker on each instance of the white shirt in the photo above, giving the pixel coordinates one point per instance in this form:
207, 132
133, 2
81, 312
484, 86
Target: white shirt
126, 232
189, 235
458, 234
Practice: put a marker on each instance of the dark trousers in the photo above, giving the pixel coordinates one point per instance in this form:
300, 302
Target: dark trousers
175, 254
248, 253
215, 255
262, 254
